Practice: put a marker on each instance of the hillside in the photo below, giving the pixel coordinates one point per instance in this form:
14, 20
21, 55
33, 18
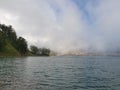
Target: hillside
9, 50
10, 44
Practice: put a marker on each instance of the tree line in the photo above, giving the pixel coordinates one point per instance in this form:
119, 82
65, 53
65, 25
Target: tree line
8, 35
39, 51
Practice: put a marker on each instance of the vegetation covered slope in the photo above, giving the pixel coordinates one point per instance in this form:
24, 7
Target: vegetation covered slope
9, 50
10, 44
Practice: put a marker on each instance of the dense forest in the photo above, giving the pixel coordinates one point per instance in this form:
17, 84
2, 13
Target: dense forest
12, 45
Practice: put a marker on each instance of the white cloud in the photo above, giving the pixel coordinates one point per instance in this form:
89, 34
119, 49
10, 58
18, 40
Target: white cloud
59, 24
106, 24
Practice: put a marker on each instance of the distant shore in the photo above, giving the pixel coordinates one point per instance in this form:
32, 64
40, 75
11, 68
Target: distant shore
92, 54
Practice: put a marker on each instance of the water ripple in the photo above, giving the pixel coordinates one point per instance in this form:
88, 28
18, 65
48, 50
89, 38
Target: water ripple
60, 73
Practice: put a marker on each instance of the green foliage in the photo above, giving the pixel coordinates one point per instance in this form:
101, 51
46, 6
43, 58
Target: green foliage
2, 41
11, 45
22, 45
39, 51
8, 34
9, 50
45, 51
34, 49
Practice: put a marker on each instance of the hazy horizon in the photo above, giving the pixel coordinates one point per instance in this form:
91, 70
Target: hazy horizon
65, 25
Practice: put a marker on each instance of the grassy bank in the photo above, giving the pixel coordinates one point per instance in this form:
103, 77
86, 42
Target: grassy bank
9, 50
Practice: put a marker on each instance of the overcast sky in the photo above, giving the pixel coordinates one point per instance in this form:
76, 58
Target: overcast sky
65, 24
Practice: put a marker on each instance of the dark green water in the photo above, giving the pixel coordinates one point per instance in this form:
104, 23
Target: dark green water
60, 73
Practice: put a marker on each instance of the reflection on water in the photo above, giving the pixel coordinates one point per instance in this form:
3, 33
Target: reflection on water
60, 73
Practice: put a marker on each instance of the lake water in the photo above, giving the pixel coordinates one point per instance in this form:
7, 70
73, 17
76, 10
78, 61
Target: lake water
60, 73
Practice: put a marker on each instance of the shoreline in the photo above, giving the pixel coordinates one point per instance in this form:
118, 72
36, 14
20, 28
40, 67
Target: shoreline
112, 55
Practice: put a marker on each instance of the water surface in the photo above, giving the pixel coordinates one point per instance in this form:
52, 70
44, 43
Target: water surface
60, 73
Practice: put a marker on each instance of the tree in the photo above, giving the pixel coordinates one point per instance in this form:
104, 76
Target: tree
22, 45
45, 52
8, 34
39, 51
34, 49
2, 41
